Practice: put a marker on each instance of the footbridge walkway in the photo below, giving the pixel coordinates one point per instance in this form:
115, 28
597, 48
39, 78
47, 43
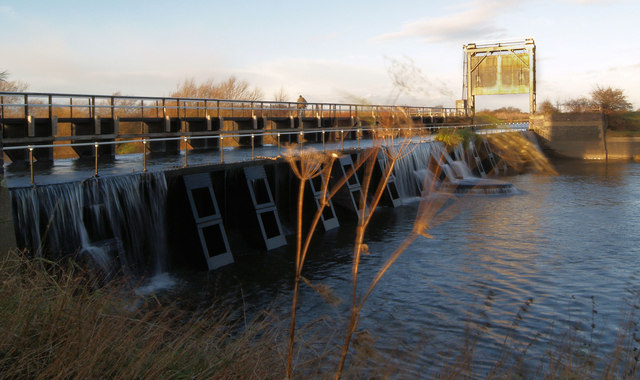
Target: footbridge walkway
69, 135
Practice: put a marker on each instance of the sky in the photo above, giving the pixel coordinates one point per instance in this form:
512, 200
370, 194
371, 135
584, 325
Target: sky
328, 51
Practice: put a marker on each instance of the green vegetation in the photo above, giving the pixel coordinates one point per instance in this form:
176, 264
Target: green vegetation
624, 122
451, 137
500, 115
128, 148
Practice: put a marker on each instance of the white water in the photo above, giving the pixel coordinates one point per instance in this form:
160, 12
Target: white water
415, 177
462, 170
112, 223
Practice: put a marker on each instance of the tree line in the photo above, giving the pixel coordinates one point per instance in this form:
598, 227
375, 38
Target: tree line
604, 99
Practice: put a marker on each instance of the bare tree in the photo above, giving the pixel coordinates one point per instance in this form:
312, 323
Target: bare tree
12, 86
231, 88
281, 95
581, 104
610, 99
547, 107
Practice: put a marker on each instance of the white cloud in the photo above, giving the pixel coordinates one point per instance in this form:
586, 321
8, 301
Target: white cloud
6, 10
477, 21
589, 2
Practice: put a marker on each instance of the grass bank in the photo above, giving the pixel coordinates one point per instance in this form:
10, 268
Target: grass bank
54, 323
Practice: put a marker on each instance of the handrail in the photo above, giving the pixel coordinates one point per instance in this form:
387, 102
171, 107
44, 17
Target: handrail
498, 128
122, 102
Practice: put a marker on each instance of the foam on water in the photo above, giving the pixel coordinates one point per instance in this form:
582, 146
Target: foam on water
160, 281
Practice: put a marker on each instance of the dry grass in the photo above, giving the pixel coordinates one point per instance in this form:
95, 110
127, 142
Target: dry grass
55, 324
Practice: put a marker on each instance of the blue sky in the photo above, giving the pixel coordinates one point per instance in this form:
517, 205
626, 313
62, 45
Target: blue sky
329, 51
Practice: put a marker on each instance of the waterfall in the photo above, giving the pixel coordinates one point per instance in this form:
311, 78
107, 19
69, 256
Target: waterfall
112, 223
449, 172
462, 170
410, 170
413, 174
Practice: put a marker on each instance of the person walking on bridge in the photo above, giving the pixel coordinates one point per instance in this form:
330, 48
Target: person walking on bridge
302, 104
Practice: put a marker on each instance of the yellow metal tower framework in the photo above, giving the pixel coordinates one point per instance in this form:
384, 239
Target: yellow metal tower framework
499, 68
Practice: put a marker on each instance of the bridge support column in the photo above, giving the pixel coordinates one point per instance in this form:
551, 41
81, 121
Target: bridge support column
199, 126
30, 130
247, 126
97, 127
162, 126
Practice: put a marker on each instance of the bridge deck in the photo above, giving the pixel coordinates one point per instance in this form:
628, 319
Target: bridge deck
69, 170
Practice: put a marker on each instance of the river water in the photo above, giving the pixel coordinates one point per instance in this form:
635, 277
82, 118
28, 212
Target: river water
558, 261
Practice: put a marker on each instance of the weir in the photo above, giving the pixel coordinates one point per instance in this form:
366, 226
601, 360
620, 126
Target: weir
216, 201
208, 216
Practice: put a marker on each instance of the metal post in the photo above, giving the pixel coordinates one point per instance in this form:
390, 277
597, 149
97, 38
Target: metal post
113, 111
358, 137
50, 107
253, 151
186, 152
26, 106
71, 108
301, 138
323, 141
144, 155
31, 163
342, 139
221, 149
278, 144
95, 174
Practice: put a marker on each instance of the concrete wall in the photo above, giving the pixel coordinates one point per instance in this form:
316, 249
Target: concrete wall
572, 135
583, 136
623, 148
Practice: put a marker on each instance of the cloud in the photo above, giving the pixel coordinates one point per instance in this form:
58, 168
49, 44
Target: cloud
592, 2
477, 21
6, 10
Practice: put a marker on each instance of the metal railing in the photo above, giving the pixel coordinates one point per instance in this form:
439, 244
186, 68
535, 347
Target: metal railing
416, 134
38, 104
